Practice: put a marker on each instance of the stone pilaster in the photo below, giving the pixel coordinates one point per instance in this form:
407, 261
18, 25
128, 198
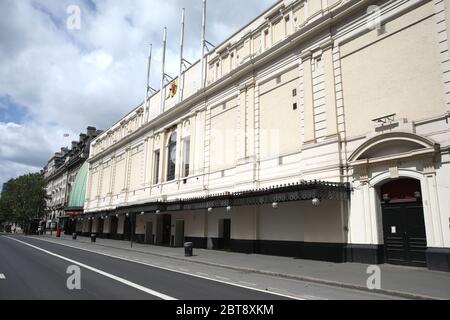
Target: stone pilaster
308, 101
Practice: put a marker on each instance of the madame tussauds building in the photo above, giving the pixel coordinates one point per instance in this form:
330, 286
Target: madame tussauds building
312, 132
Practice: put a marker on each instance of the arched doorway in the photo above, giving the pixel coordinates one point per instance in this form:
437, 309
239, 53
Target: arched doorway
403, 220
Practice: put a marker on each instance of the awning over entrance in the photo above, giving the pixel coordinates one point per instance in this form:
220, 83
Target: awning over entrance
304, 190
78, 193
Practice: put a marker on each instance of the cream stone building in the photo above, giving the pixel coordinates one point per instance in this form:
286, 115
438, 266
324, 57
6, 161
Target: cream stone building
320, 131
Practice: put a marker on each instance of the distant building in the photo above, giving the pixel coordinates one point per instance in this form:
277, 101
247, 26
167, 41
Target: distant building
321, 131
60, 173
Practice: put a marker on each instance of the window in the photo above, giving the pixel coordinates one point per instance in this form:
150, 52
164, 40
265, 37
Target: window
294, 106
294, 92
186, 156
172, 157
156, 167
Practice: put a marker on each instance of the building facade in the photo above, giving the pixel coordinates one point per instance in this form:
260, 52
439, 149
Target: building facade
320, 131
60, 173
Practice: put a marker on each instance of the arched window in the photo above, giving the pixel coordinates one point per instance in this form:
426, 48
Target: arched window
171, 157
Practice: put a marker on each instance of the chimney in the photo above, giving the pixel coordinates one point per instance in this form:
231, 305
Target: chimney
74, 145
82, 137
91, 131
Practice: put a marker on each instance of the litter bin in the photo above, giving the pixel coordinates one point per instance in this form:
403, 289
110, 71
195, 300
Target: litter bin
74, 236
58, 233
93, 237
188, 246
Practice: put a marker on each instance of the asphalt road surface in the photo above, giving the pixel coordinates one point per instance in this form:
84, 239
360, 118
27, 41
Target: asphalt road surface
35, 270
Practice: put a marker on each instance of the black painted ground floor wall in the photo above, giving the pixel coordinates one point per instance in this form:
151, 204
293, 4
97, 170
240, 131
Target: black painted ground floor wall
437, 258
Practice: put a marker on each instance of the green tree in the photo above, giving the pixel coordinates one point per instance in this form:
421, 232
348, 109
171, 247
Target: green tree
23, 200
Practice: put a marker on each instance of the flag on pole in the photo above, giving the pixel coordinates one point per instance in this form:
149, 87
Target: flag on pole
173, 88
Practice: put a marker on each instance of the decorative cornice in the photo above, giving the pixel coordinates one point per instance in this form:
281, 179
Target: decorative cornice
306, 55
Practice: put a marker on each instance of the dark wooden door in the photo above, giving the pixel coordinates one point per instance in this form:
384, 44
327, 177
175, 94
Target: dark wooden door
100, 227
405, 239
226, 240
127, 229
167, 221
113, 226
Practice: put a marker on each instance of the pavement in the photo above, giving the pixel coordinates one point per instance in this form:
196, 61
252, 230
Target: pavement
396, 281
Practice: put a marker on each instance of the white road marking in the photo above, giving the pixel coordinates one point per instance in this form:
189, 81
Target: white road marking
248, 283
276, 289
308, 297
2, 276
103, 273
185, 270
222, 278
197, 275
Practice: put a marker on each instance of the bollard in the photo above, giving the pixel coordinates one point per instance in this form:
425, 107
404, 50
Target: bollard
93, 237
74, 236
188, 249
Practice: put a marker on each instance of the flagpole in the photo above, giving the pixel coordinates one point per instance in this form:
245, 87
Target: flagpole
180, 81
202, 60
147, 89
163, 72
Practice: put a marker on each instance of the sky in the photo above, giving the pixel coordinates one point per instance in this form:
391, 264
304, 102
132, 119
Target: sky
57, 80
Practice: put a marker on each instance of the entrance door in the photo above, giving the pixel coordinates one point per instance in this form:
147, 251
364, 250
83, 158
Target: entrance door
149, 232
100, 227
113, 227
225, 234
166, 224
179, 233
127, 229
405, 239
163, 229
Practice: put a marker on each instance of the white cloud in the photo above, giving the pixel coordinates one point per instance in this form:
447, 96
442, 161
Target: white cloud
70, 79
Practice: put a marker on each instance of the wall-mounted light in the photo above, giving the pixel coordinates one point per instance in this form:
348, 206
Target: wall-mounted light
210, 210
417, 195
386, 197
127, 214
158, 211
316, 202
228, 208
275, 205
142, 213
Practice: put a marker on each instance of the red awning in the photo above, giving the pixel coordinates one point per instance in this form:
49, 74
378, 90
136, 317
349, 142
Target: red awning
73, 213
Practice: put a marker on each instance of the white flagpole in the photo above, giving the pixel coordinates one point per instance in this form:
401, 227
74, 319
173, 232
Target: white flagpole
180, 81
202, 60
147, 89
163, 72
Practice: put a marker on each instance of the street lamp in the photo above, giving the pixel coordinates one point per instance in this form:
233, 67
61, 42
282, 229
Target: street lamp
316, 202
